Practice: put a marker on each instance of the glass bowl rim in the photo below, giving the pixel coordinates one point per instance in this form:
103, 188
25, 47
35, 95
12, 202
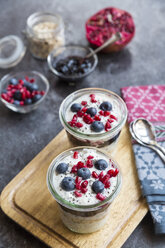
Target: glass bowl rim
78, 207
12, 74
95, 135
51, 54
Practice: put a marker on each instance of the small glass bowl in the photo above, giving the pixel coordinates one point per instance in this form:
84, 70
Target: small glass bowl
41, 80
68, 51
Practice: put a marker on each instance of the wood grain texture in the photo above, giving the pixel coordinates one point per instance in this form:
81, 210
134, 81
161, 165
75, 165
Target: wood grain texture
27, 201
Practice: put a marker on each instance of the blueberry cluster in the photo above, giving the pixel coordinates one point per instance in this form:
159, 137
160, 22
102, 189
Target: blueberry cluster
73, 65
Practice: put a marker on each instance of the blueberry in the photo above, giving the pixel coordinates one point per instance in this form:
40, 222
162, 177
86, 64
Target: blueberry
91, 111
62, 168
37, 97
64, 69
97, 126
17, 95
98, 187
84, 173
101, 164
68, 184
106, 106
16, 102
28, 101
75, 107
30, 86
71, 62
13, 81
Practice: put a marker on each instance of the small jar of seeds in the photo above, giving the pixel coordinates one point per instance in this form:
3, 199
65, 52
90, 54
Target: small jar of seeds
45, 31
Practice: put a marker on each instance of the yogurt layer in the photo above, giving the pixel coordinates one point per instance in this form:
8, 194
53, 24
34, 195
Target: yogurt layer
89, 197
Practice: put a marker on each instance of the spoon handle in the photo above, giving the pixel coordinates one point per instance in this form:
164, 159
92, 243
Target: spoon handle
114, 38
162, 149
159, 151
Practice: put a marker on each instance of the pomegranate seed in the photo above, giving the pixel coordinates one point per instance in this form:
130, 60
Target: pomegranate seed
28, 94
75, 155
80, 113
106, 113
80, 165
84, 184
21, 103
110, 121
84, 109
90, 157
107, 126
92, 95
74, 119
94, 174
83, 103
31, 80
21, 81
106, 178
23, 95
107, 184
89, 163
78, 186
74, 169
9, 93
78, 180
100, 197
87, 119
79, 124
97, 118
42, 92
101, 175
72, 124
111, 173
113, 117
116, 172
84, 190
77, 194
101, 112
26, 78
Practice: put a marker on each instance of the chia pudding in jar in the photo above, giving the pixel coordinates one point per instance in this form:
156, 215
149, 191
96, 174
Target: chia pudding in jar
84, 181
94, 117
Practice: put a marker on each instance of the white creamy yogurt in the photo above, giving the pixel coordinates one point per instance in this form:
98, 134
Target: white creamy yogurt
90, 196
100, 98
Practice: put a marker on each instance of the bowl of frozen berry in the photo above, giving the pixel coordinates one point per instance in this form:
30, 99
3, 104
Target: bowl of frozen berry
70, 63
23, 92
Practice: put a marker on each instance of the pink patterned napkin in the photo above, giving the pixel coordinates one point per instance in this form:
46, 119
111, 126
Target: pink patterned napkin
149, 102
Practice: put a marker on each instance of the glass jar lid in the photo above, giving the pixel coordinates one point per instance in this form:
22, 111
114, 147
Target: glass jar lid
12, 50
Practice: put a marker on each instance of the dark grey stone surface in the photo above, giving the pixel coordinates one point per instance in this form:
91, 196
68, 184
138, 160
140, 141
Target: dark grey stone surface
23, 136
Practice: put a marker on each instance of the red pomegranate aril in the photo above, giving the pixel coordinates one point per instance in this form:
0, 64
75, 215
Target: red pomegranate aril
97, 118
21, 81
74, 119
107, 126
106, 178
106, 113
75, 155
79, 124
94, 174
80, 113
9, 93
78, 194
110, 121
83, 103
107, 184
80, 165
87, 119
21, 103
32, 80
84, 190
89, 163
28, 94
12, 100
42, 92
90, 157
78, 180
101, 112
113, 117
116, 172
101, 175
78, 186
84, 184
111, 173
74, 169
27, 78
84, 109
100, 197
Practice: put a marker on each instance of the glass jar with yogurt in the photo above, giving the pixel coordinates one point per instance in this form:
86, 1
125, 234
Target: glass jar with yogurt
45, 32
84, 181
93, 116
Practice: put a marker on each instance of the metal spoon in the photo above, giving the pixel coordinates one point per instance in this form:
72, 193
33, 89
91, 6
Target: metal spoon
143, 132
113, 39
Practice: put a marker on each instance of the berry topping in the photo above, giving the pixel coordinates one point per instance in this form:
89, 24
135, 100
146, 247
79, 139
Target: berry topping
113, 117
78, 194
101, 164
90, 157
106, 106
94, 174
76, 107
62, 168
107, 126
16, 102
87, 119
68, 184
17, 95
74, 169
83, 103
37, 97
98, 187
100, 197
75, 155
92, 96
97, 126
13, 81
84, 184
84, 173
28, 101
91, 111
84, 190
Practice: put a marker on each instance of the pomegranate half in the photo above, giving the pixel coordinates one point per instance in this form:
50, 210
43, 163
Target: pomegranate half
108, 21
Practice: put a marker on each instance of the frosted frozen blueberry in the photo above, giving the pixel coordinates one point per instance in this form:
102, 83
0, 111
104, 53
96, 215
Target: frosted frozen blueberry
101, 164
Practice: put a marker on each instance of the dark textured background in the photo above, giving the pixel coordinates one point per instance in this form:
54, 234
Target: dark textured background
23, 136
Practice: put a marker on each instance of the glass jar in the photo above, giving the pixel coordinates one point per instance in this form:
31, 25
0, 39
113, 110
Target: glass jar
44, 32
106, 140
82, 218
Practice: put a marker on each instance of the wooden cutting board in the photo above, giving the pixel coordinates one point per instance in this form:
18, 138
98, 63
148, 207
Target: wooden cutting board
27, 201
